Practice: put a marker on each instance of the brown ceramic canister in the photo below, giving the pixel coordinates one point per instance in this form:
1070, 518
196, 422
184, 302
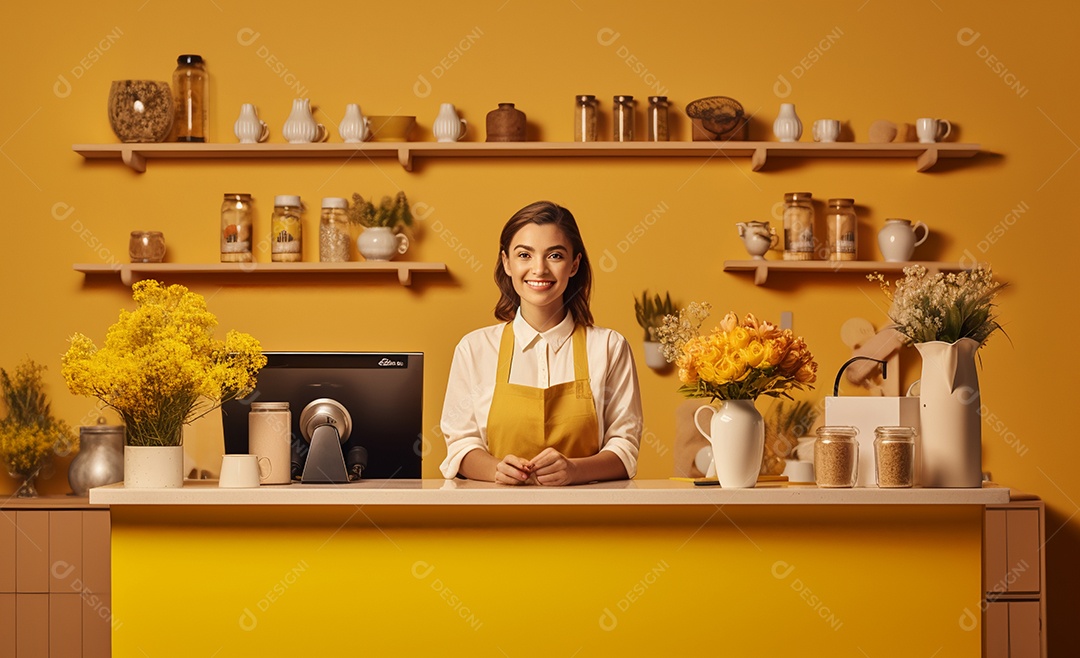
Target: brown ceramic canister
506, 124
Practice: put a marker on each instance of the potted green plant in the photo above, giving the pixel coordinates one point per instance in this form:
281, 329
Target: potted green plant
381, 239
650, 312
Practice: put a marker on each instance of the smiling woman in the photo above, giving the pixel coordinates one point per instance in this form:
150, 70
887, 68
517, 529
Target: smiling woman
545, 397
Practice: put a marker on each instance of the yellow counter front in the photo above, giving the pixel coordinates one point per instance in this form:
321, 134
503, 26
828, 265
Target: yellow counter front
433, 567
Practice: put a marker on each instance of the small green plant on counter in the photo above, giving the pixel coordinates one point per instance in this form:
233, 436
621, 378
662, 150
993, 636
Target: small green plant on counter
390, 213
651, 311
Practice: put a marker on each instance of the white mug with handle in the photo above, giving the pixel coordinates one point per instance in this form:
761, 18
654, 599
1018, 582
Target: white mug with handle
932, 130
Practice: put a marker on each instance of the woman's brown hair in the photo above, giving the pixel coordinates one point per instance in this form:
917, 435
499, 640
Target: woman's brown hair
579, 288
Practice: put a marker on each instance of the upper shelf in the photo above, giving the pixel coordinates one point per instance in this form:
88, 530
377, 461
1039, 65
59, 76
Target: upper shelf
136, 155
761, 268
132, 272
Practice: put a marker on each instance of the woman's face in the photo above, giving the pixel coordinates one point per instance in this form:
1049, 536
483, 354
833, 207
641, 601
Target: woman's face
540, 264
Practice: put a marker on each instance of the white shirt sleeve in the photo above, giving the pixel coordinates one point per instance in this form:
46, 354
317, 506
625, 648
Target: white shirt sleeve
462, 429
618, 400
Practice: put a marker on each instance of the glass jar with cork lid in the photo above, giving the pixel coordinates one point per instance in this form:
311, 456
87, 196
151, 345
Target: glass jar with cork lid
894, 453
798, 226
286, 237
836, 457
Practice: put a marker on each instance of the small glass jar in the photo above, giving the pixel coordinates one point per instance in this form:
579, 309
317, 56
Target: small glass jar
286, 237
190, 91
334, 231
798, 226
622, 117
658, 119
236, 228
836, 457
146, 247
585, 118
841, 226
894, 454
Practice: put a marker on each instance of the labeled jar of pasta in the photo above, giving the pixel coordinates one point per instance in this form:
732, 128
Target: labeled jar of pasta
334, 238
286, 238
236, 228
658, 119
584, 118
894, 454
798, 226
841, 226
836, 457
622, 118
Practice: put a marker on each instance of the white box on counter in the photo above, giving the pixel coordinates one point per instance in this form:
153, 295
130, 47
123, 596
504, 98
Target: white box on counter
867, 414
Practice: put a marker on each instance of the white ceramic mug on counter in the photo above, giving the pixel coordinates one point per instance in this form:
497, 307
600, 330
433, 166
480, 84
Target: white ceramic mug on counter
243, 471
932, 130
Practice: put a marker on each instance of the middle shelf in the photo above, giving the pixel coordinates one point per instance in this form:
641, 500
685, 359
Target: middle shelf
131, 272
761, 268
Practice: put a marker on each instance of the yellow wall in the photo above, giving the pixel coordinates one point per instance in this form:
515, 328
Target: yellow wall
1003, 72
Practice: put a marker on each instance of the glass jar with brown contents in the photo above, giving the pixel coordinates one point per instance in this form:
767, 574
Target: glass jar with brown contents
585, 118
658, 119
622, 117
841, 226
798, 226
894, 453
836, 457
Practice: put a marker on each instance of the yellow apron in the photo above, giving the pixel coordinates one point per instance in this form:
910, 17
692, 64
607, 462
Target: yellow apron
524, 419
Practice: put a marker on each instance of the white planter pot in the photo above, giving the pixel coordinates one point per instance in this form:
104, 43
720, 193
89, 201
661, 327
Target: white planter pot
153, 467
654, 358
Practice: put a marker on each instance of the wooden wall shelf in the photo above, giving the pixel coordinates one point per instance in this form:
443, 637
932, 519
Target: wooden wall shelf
136, 155
761, 268
131, 272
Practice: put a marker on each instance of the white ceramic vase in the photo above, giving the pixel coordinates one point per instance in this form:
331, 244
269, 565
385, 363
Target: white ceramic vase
249, 129
951, 441
301, 127
153, 467
737, 435
381, 243
448, 126
897, 240
654, 358
354, 128
787, 127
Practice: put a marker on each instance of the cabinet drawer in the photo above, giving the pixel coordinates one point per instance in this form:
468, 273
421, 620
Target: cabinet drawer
32, 552
1025, 630
1011, 554
8, 532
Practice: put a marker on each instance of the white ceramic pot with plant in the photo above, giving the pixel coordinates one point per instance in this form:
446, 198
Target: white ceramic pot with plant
650, 314
381, 238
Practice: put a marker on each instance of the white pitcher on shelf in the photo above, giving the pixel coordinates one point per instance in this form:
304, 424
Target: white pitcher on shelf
301, 127
249, 129
355, 127
448, 126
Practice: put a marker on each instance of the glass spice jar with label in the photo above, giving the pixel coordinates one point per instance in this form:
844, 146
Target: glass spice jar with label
658, 119
236, 228
798, 226
622, 118
286, 238
190, 91
585, 118
841, 226
334, 237
894, 453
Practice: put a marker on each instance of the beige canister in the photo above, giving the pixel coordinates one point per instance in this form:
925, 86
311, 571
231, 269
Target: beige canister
270, 436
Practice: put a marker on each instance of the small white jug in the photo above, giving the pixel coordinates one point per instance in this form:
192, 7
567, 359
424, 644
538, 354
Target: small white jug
355, 127
896, 239
248, 128
448, 126
300, 127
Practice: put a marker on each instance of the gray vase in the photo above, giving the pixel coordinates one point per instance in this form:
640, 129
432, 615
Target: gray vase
100, 460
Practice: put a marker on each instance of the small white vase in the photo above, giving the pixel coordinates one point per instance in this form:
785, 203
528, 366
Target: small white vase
301, 127
381, 243
737, 435
654, 357
951, 441
787, 126
897, 241
248, 128
448, 126
757, 237
153, 467
354, 128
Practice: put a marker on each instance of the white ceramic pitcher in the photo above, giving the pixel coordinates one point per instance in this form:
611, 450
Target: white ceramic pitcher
301, 127
448, 126
897, 239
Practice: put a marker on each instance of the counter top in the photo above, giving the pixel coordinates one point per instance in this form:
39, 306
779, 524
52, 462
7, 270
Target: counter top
464, 492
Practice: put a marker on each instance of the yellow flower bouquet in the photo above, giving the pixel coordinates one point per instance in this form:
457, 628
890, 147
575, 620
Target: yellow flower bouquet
161, 366
29, 434
736, 360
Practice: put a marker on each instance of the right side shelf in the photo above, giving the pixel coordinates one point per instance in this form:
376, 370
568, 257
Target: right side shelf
761, 268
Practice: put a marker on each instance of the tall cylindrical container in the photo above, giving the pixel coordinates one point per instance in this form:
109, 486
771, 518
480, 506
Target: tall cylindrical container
270, 436
622, 118
798, 226
334, 237
841, 226
191, 93
236, 228
286, 237
658, 119
585, 118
